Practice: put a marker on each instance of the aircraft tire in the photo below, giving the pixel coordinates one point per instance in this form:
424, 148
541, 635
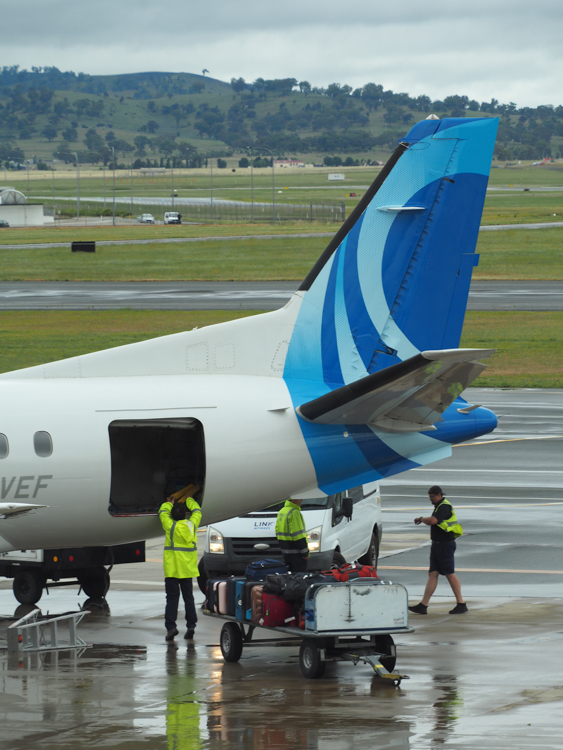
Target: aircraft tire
95, 582
28, 586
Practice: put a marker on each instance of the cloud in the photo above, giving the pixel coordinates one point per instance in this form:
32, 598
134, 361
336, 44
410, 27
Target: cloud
509, 50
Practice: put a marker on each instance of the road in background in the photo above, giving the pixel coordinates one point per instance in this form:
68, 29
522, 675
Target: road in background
236, 295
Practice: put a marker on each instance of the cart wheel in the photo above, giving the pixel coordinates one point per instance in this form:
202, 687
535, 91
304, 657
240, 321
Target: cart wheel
231, 641
386, 645
28, 586
312, 666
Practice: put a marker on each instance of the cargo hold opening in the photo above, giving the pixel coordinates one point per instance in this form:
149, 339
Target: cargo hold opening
151, 459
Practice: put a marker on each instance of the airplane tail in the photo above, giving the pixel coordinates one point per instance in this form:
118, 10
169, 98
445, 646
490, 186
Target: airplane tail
395, 279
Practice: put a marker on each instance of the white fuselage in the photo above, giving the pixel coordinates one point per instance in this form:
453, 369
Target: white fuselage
254, 448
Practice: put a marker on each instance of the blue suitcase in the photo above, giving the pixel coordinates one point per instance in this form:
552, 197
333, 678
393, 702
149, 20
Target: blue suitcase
239, 585
232, 593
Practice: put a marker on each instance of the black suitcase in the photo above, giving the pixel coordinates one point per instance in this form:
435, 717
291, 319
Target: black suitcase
246, 603
232, 594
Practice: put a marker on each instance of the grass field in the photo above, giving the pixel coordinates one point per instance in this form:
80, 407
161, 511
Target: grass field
530, 345
505, 254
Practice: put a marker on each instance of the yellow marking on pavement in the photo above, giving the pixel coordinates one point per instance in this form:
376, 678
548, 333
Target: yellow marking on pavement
153, 559
491, 505
477, 570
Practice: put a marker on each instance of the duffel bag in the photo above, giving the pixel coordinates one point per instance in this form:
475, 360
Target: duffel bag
351, 571
275, 583
298, 583
259, 569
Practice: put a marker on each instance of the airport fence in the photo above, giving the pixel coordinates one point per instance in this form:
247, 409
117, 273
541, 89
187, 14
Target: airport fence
207, 212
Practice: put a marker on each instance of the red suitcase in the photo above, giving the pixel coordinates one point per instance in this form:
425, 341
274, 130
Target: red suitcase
276, 611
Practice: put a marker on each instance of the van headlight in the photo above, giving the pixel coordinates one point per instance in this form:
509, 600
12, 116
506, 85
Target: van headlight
216, 544
314, 539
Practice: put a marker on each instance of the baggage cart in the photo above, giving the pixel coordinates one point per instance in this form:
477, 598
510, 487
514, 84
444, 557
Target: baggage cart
353, 621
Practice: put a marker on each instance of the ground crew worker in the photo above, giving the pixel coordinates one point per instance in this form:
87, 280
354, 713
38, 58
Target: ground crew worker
444, 529
180, 560
292, 536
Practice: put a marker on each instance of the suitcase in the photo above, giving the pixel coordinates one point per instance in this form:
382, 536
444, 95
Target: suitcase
239, 611
232, 594
211, 593
259, 569
223, 599
256, 596
277, 612
246, 601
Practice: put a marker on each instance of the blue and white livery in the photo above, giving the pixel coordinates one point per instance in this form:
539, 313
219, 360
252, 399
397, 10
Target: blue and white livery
358, 377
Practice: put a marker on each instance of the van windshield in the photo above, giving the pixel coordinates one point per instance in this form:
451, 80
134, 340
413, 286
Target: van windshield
307, 504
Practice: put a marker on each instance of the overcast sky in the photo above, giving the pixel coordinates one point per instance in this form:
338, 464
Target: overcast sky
507, 49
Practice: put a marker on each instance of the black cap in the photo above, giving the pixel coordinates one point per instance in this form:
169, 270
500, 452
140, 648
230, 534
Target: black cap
435, 490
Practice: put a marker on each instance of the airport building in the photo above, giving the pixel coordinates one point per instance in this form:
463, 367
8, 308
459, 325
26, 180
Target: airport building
15, 209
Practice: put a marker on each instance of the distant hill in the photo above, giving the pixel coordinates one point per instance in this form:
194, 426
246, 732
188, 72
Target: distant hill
158, 119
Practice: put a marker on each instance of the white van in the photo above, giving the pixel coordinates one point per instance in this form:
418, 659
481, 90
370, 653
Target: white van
172, 217
340, 528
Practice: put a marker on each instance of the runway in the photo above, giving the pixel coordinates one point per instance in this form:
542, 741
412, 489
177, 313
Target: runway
237, 295
489, 678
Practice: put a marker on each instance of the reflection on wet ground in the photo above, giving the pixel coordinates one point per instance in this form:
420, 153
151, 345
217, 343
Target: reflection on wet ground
496, 670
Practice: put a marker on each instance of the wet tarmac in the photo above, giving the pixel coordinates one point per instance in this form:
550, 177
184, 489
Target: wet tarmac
490, 678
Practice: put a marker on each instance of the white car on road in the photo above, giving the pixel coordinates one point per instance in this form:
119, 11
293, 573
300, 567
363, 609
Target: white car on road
146, 219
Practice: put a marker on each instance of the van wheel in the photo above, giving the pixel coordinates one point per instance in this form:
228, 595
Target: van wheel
202, 576
370, 558
337, 559
28, 586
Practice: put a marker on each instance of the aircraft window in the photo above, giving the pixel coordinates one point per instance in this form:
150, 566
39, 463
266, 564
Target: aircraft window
43, 444
4, 447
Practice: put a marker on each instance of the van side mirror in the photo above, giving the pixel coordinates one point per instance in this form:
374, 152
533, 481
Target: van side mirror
345, 509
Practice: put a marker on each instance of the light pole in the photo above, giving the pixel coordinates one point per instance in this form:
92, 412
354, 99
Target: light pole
211, 165
77, 186
172, 169
113, 164
131, 172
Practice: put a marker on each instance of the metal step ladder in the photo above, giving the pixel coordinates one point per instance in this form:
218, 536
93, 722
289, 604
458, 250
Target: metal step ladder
32, 634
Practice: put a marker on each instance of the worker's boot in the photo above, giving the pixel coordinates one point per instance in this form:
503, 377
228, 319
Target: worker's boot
419, 609
459, 609
171, 634
189, 634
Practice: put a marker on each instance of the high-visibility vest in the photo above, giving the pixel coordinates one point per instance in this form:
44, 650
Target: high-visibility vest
180, 547
290, 530
451, 524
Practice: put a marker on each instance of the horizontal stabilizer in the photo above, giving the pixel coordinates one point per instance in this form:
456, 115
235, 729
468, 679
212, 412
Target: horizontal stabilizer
8, 510
407, 397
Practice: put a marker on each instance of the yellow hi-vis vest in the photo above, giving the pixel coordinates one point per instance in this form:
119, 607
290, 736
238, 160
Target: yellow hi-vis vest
451, 523
180, 547
290, 530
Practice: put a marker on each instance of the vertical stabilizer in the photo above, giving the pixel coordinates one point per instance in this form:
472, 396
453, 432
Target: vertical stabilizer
395, 279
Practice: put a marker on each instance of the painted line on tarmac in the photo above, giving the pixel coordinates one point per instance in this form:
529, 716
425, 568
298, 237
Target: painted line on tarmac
138, 583
475, 570
509, 440
470, 507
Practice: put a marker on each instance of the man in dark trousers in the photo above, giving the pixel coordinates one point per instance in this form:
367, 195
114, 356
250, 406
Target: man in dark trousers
180, 558
292, 536
444, 529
